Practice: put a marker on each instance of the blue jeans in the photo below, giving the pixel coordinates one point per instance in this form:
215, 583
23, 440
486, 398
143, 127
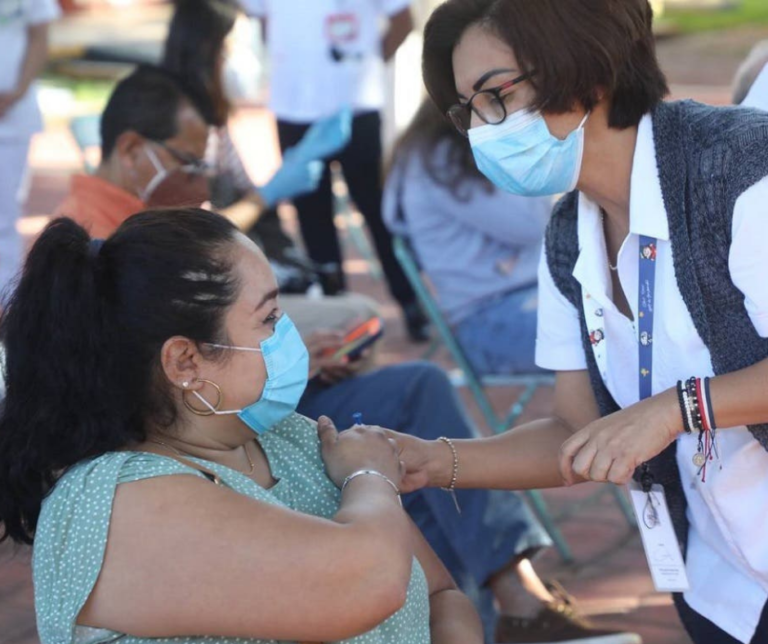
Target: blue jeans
493, 529
499, 338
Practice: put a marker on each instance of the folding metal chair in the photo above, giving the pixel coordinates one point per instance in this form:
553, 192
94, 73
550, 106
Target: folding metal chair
465, 375
351, 221
87, 135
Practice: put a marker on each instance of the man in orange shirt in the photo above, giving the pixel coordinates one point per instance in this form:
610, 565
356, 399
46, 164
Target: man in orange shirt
153, 145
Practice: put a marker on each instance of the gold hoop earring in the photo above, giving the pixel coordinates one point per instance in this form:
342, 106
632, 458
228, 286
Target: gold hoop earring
204, 412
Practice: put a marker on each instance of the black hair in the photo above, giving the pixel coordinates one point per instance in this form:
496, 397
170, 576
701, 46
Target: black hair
83, 333
147, 102
194, 53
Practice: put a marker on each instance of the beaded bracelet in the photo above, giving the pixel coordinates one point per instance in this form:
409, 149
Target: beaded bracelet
684, 411
451, 489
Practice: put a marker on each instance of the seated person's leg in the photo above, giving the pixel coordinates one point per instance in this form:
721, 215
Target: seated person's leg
499, 338
340, 313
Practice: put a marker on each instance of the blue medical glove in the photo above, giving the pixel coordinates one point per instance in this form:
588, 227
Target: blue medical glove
327, 136
295, 177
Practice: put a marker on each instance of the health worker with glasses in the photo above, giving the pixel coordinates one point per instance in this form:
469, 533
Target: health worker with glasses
653, 308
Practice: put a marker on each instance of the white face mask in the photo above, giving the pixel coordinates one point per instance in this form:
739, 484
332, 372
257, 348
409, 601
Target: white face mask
521, 156
185, 186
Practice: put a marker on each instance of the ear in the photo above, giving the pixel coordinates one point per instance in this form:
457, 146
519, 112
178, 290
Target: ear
128, 147
180, 359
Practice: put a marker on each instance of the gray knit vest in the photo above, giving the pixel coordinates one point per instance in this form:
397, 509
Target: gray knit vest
707, 157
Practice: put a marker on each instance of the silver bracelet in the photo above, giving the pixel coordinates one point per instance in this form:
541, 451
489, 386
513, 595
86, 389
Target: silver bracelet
354, 475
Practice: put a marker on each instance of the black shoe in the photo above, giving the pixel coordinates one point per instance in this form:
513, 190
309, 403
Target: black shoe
332, 279
416, 323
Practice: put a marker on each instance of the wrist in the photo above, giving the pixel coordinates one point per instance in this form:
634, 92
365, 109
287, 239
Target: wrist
440, 464
372, 475
673, 419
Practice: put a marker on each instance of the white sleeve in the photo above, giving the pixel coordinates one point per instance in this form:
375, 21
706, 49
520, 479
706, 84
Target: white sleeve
42, 11
255, 8
392, 7
758, 93
559, 345
748, 259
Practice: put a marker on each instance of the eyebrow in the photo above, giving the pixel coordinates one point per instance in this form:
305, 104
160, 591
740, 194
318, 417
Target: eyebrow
269, 296
487, 76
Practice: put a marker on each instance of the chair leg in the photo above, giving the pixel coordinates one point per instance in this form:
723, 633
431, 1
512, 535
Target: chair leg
520, 404
624, 505
539, 506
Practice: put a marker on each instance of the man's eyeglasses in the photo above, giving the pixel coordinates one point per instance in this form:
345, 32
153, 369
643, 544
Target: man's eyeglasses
488, 104
189, 163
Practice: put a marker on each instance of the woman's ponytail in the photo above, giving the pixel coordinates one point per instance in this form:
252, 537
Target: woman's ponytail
83, 333
55, 329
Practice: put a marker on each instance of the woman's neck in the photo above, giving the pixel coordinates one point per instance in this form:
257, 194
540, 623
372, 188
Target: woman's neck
606, 170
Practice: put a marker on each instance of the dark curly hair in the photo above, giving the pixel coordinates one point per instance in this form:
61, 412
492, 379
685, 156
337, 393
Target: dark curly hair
83, 333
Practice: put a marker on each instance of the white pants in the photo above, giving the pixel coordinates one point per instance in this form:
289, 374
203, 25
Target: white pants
13, 193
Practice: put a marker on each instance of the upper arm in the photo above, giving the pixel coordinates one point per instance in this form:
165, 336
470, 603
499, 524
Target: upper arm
748, 261
575, 404
559, 345
438, 577
236, 567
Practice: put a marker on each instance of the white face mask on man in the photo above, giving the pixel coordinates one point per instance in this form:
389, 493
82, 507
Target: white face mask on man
184, 186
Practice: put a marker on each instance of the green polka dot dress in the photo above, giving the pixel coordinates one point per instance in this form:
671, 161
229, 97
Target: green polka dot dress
74, 523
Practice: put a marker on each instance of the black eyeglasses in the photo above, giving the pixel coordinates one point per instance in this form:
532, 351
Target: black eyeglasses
488, 104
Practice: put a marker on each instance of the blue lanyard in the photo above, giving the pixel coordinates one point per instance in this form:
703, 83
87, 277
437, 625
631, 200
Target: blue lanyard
646, 294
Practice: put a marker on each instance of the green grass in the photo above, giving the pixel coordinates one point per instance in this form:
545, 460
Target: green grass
748, 12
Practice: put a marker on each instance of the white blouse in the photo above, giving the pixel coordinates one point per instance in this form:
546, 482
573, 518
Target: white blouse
727, 559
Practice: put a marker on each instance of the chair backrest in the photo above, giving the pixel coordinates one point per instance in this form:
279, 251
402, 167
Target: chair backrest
87, 134
408, 262
474, 382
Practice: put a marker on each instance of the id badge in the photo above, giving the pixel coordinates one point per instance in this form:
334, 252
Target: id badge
662, 550
342, 28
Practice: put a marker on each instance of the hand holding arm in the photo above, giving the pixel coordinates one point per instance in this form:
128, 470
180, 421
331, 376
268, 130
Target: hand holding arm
525, 457
611, 448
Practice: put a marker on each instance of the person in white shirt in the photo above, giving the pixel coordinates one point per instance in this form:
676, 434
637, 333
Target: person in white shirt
24, 38
327, 55
653, 307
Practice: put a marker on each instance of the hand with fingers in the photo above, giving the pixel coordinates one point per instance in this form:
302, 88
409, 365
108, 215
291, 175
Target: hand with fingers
363, 447
425, 463
297, 176
611, 448
322, 345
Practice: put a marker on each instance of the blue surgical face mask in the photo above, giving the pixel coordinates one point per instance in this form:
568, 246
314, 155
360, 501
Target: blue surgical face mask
521, 156
287, 361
